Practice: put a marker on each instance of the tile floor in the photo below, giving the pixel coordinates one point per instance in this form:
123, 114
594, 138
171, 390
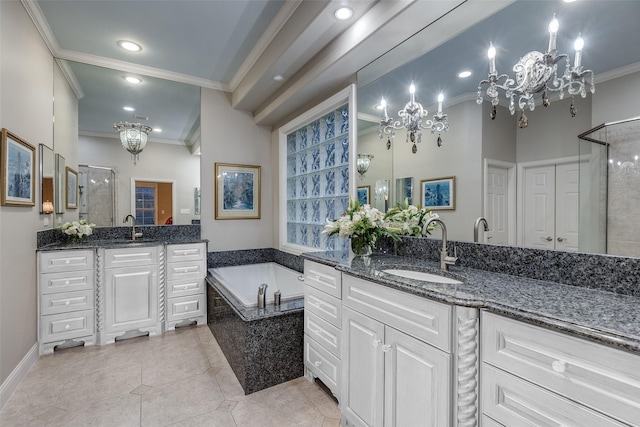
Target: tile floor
180, 379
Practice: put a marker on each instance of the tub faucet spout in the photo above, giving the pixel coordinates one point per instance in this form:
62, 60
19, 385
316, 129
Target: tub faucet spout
262, 295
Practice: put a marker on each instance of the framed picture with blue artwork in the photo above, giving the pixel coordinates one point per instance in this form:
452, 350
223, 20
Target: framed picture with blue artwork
237, 191
18, 159
363, 194
438, 193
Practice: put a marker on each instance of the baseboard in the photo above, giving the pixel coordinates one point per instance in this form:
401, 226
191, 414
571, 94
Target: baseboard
17, 375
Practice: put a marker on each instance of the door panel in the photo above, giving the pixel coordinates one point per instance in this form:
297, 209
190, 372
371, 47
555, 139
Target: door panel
497, 206
539, 207
567, 206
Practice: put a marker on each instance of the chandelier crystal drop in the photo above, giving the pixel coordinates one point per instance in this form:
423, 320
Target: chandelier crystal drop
411, 118
537, 73
133, 137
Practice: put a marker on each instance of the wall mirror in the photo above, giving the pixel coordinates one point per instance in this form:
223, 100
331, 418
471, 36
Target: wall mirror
47, 176
171, 154
59, 185
491, 159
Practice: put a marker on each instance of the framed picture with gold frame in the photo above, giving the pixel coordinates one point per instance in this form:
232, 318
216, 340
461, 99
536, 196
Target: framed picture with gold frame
72, 188
18, 159
438, 193
237, 191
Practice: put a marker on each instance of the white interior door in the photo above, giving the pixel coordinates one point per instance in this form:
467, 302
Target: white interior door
539, 207
567, 206
497, 206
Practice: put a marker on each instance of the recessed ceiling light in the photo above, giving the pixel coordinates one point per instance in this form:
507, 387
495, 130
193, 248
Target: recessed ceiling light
464, 74
157, 130
133, 80
343, 13
569, 1
278, 77
128, 109
129, 45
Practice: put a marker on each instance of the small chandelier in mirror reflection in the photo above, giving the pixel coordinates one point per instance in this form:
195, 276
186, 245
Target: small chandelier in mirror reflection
537, 73
362, 163
133, 137
411, 119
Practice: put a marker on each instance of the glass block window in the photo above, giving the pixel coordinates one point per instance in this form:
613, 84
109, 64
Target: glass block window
318, 179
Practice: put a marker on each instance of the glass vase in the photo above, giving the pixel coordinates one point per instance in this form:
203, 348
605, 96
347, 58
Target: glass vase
361, 246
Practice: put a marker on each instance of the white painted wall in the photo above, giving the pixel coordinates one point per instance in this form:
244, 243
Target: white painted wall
616, 100
161, 162
26, 89
230, 136
381, 165
498, 135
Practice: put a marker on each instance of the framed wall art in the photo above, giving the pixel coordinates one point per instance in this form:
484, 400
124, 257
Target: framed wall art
363, 194
438, 193
237, 191
72, 188
18, 171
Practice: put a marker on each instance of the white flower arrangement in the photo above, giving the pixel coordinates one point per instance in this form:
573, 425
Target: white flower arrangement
409, 220
78, 230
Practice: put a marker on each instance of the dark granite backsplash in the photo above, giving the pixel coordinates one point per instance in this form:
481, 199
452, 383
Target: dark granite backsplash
604, 272
159, 233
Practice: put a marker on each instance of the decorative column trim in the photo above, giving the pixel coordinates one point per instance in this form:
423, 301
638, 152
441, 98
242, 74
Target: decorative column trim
466, 367
161, 285
99, 289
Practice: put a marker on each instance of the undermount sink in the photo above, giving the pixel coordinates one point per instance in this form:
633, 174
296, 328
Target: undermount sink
421, 275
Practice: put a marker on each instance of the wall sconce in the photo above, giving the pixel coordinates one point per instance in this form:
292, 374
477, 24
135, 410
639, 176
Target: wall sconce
47, 207
362, 163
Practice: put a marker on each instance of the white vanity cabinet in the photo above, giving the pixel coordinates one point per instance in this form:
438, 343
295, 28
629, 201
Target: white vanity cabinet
186, 299
396, 356
534, 376
323, 324
129, 298
66, 283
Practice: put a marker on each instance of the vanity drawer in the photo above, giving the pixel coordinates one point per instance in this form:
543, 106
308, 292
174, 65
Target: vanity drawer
323, 364
59, 327
60, 261
181, 288
188, 270
322, 305
185, 307
595, 375
124, 257
514, 402
327, 335
66, 302
323, 277
66, 281
422, 318
186, 252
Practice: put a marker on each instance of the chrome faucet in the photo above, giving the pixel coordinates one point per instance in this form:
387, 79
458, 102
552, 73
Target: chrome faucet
445, 259
262, 295
133, 226
477, 225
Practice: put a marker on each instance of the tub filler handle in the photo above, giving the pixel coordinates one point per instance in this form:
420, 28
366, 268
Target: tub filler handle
301, 278
262, 294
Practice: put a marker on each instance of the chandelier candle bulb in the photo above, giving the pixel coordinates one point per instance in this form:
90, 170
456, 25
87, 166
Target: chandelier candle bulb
440, 99
412, 91
578, 46
492, 59
553, 33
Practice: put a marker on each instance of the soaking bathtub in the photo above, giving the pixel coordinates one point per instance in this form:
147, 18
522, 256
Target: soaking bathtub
263, 346
243, 281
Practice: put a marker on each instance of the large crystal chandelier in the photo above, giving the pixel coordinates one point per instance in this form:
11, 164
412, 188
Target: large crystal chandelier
133, 137
537, 73
411, 117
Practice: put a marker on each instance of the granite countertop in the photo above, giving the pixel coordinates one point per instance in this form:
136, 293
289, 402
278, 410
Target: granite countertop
601, 316
118, 243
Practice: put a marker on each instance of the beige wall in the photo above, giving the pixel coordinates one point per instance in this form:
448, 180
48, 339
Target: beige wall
26, 108
230, 136
160, 162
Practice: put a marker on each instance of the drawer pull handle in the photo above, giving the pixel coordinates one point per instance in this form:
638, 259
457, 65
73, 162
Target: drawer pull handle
386, 348
317, 364
376, 343
67, 326
301, 278
67, 261
316, 304
66, 282
67, 302
559, 366
317, 332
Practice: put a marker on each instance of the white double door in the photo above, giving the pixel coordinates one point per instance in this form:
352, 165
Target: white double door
550, 205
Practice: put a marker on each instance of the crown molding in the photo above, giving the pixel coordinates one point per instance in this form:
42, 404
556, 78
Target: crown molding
265, 40
115, 136
41, 24
618, 72
68, 74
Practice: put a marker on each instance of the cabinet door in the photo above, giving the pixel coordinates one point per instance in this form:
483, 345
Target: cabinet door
417, 382
131, 298
363, 378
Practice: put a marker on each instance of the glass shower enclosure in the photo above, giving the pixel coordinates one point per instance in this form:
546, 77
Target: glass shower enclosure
609, 188
97, 191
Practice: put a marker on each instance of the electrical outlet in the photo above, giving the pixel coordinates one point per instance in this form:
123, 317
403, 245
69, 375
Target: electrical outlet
185, 211
46, 221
